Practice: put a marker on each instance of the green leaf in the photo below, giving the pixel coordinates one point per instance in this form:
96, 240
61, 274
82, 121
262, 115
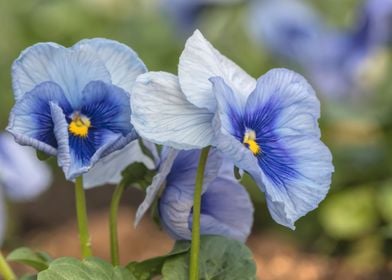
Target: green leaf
220, 259
137, 173
89, 269
24, 255
42, 156
147, 269
350, 213
28, 277
385, 201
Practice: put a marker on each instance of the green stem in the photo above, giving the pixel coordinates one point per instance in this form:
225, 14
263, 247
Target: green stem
195, 247
5, 269
81, 213
114, 251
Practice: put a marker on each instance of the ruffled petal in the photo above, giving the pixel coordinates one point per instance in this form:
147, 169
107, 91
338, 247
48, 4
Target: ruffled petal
161, 113
31, 121
3, 217
168, 157
108, 169
71, 69
22, 175
121, 61
297, 175
284, 103
201, 61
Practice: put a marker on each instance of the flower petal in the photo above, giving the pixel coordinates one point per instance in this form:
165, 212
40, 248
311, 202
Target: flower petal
284, 102
107, 106
161, 113
121, 61
168, 157
22, 175
78, 155
71, 69
295, 180
108, 169
200, 61
31, 121
225, 208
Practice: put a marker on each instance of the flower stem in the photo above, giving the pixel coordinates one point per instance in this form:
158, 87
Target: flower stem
195, 246
81, 212
5, 269
114, 249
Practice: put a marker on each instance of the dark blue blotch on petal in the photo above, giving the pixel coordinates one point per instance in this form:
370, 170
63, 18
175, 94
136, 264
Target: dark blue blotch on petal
31, 116
107, 106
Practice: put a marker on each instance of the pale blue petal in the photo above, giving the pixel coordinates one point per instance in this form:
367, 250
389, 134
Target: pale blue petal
22, 175
122, 62
291, 197
161, 113
168, 157
226, 208
200, 61
285, 102
108, 169
31, 121
71, 69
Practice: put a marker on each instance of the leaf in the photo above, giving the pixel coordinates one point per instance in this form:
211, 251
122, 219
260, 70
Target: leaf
42, 156
92, 268
28, 277
220, 259
24, 255
384, 197
137, 173
147, 269
350, 213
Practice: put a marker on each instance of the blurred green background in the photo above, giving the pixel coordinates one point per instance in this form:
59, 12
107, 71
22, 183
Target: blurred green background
354, 222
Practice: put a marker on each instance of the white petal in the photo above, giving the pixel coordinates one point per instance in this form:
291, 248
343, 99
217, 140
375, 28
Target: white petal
200, 61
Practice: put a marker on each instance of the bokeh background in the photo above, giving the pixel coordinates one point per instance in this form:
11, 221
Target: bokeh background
348, 237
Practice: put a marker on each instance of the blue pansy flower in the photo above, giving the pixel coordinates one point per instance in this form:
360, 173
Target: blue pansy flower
74, 102
351, 61
185, 13
226, 208
266, 127
22, 175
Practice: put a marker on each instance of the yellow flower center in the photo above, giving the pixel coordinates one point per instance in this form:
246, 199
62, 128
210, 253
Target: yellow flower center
250, 141
79, 125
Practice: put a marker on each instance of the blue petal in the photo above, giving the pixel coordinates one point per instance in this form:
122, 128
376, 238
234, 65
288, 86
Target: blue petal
122, 62
284, 103
225, 210
165, 165
71, 69
295, 180
162, 114
22, 175
78, 155
31, 121
107, 106
108, 169
3, 217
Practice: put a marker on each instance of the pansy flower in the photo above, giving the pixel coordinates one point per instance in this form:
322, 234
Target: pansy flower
266, 127
74, 102
226, 208
339, 62
22, 175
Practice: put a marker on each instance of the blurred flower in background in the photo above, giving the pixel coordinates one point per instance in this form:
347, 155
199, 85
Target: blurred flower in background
22, 176
340, 62
184, 14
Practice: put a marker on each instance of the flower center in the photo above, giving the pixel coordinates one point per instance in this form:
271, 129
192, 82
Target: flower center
79, 125
250, 141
